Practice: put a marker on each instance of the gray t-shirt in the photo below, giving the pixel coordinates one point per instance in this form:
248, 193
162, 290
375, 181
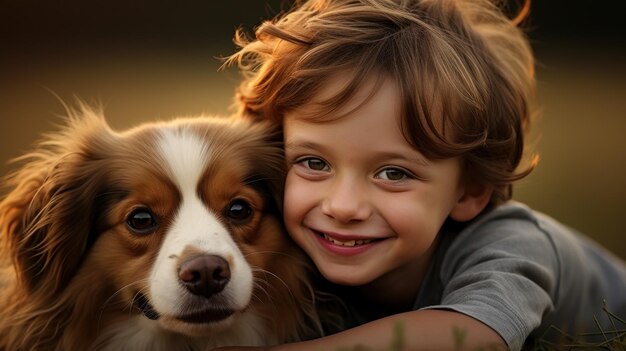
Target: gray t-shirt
521, 272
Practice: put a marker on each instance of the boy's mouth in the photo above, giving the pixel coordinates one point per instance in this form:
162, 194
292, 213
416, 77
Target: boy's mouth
346, 243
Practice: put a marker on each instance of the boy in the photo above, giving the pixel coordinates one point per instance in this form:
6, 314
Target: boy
404, 125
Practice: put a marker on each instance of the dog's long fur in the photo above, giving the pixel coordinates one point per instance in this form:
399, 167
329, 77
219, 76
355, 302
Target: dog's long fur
75, 276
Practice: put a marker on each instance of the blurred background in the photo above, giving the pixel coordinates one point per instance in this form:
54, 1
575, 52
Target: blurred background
146, 60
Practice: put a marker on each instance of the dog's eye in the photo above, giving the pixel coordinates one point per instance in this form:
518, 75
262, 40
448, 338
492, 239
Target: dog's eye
239, 210
141, 221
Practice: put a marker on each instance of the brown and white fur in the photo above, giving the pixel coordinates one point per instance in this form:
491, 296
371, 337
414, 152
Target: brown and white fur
164, 237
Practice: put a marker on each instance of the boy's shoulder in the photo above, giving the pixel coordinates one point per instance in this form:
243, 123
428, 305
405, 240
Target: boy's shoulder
517, 229
520, 271
511, 228
501, 269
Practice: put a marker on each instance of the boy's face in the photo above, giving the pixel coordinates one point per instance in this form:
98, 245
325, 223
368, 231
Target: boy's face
359, 199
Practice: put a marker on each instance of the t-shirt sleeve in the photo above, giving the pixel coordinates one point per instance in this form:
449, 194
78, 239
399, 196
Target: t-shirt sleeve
503, 273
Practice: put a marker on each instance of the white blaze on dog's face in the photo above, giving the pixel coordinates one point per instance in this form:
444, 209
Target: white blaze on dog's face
195, 231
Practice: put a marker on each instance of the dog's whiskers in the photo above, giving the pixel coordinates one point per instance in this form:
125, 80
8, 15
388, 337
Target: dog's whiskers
259, 287
265, 271
104, 304
129, 303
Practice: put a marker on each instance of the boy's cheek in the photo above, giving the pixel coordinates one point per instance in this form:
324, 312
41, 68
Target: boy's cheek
301, 196
295, 197
296, 187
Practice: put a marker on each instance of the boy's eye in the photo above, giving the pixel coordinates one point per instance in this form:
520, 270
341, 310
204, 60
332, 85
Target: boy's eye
393, 174
314, 164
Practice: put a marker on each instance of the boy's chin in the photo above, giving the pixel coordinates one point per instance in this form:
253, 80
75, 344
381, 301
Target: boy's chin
348, 276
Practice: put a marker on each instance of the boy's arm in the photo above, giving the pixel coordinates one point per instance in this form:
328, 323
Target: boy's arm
419, 330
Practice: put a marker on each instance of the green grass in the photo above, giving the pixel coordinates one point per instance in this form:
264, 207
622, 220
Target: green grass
613, 339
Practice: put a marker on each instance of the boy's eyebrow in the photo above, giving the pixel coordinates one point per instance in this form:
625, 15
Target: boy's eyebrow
302, 144
415, 156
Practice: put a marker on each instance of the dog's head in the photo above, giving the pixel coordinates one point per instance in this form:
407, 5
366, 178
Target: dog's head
178, 219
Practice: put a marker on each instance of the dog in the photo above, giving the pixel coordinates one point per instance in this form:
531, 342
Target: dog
167, 236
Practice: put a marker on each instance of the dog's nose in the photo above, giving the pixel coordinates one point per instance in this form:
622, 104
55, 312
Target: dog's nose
204, 275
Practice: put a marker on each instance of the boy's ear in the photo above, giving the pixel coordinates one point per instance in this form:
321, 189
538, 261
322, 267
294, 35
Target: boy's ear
474, 199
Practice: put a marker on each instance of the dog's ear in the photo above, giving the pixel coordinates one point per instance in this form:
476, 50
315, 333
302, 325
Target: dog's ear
47, 219
269, 166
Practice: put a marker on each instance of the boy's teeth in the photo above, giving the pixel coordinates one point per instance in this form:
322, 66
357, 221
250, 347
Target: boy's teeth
346, 243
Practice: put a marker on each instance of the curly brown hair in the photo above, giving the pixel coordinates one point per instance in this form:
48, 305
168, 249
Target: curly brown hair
465, 71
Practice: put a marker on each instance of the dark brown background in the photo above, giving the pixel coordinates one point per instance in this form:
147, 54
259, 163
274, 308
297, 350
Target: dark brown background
148, 60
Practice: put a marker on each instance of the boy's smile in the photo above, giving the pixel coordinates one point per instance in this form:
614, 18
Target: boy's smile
346, 244
359, 199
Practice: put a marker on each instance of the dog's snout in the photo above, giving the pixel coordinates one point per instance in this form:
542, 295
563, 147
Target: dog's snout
204, 275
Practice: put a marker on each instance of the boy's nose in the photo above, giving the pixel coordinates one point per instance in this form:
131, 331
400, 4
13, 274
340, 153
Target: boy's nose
346, 202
